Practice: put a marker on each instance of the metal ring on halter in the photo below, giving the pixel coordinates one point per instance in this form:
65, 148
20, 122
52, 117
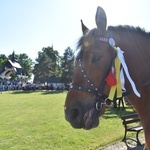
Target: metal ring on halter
108, 102
99, 106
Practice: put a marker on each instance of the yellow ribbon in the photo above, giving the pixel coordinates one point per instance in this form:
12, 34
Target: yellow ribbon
117, 88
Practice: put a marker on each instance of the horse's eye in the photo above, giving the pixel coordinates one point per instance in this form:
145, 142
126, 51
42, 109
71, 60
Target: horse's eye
96, 59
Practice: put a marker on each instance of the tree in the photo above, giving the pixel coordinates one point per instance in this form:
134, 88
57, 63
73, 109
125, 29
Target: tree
67, 66
48, 63
3, 59
26, 63
44, 67
54, 56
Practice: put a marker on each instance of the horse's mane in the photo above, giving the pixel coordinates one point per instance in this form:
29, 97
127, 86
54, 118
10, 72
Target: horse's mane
127, 28
120, 28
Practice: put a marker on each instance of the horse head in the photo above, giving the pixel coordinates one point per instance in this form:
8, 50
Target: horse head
85, 101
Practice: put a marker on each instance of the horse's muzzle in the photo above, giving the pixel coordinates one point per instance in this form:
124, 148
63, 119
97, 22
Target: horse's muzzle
82, 119
74, 117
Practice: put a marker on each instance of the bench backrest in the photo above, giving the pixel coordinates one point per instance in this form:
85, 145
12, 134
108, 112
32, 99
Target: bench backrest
131, 118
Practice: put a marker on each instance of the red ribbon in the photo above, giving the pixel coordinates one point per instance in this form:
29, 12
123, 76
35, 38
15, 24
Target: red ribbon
111, 79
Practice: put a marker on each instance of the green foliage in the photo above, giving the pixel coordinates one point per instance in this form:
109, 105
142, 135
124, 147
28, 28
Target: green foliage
26, 63
3, 59
44, 68
67, 66
48, 63
35, 121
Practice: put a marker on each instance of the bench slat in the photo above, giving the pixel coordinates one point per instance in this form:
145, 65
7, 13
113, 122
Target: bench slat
135, 128
129, 116
131, 121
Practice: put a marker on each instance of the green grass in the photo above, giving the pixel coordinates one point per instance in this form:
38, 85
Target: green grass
35, 121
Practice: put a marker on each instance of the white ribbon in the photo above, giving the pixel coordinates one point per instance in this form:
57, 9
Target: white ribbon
121, 58
122, 80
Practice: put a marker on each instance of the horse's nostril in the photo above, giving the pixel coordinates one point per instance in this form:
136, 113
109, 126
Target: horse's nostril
74, 117
74, 113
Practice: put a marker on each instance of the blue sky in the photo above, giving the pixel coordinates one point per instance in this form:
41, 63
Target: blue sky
26, 26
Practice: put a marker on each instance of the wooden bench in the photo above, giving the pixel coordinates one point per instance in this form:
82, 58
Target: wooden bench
132, 123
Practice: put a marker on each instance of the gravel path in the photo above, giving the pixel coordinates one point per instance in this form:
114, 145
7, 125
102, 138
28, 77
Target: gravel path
129, 145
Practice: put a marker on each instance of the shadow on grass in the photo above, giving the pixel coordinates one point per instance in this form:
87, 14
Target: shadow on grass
22, 92
43, 92
52, 92
132, 144
114, 113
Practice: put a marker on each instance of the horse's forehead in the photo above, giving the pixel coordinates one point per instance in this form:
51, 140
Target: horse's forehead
89, 37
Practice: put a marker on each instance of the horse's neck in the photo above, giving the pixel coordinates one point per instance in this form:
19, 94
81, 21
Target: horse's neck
136, 49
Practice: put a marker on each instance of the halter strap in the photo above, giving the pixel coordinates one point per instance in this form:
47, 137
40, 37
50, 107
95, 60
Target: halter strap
89, 90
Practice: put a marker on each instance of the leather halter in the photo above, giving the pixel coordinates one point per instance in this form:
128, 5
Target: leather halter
98, 91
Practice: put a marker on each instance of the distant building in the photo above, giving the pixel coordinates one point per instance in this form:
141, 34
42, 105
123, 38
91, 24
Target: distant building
12, 66
52, 81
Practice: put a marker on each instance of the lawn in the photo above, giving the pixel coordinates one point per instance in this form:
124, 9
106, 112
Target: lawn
35, 121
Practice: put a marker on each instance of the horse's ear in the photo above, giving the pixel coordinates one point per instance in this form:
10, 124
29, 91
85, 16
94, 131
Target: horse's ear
101, 20
84, 28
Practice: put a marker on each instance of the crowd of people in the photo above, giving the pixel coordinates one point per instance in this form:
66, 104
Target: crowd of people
7, 85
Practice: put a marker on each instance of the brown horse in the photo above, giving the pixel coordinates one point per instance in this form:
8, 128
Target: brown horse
86, 99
